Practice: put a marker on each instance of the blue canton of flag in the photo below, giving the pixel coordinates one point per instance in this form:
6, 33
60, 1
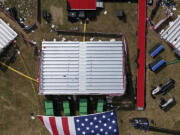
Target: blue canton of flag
97, 124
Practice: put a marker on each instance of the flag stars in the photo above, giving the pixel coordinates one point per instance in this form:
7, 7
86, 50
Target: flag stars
115, 130
86, 119
113, 121
92, 131
78, 129
99, 124
106, 133
77, 120
91, 123
110, 127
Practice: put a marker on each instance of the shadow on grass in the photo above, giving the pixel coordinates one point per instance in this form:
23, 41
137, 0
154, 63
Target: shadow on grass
127, 102
8, 56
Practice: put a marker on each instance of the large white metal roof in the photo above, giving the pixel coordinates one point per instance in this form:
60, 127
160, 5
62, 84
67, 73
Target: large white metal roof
7, 35
78, 68
172, 35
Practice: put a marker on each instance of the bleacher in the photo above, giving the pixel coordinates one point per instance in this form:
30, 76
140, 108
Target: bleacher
157, 63
156, 50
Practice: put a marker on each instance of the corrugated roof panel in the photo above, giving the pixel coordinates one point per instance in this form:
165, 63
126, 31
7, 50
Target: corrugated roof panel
172, 34
7, 35
77, 68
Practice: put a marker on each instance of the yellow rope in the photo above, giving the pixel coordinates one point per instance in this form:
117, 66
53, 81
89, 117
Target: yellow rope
33, 87
18, 72
22, 74
84, 35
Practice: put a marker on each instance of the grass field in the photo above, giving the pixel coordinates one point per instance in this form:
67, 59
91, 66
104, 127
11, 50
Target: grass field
18, 96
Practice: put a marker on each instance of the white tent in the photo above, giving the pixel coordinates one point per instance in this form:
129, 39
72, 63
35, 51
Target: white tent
172, 35
7, 35
82, 68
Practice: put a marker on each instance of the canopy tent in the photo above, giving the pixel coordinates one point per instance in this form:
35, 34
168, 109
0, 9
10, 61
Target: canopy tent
100, 124
82, 68
7, 35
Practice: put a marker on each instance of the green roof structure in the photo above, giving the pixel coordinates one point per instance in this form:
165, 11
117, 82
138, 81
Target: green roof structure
66, 108
49, 108
100, 105
83, 107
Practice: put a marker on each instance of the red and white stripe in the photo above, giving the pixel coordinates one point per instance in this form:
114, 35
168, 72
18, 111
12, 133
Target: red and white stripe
59, 125
161, 22
124, 44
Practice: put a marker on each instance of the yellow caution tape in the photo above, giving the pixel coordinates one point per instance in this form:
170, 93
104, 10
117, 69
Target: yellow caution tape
18, 72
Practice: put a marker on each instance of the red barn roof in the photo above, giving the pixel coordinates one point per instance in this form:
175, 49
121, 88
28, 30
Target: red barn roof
82, 4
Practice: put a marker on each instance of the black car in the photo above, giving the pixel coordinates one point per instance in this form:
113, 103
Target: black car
47, 16
163, 89
140, 123
166, 105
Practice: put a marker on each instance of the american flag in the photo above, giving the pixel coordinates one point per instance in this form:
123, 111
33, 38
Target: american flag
95, 124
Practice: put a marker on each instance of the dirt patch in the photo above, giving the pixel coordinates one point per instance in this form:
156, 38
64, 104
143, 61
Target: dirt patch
57, 15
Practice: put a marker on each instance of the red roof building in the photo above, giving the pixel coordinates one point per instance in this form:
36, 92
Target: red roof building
82, 4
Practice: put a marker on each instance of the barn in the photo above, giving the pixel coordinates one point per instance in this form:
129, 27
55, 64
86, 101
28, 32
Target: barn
82, 68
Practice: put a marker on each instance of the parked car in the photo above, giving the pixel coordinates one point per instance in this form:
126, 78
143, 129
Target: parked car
167, 86
162, 89
166, 105
156, 90
140, 123
47, 16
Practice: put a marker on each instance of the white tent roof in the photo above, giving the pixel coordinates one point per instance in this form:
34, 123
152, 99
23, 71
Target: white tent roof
7, 35
172, 35
78, 68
